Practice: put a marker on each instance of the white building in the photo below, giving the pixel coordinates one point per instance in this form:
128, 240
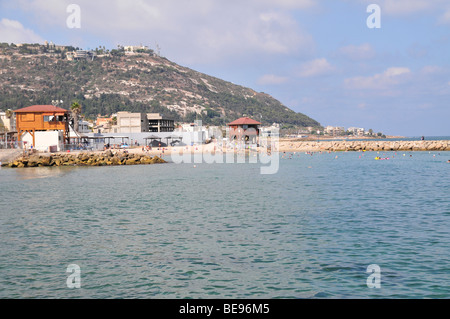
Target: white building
190, 127
7, 124
334, 130
270, 131
131, 49
199, 133
46, 141
84, 127
131, 123
80, 55
356, 131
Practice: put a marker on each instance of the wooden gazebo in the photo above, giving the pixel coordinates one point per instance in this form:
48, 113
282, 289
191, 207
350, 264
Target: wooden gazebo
244, 130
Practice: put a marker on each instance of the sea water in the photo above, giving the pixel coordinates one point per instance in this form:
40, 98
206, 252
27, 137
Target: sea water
226, 231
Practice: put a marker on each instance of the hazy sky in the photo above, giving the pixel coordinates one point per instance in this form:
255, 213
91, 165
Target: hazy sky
317, 57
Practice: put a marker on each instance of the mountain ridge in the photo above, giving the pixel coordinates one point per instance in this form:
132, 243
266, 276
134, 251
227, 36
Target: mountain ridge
116, 80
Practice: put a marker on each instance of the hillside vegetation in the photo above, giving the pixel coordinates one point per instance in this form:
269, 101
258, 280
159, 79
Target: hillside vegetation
144, 82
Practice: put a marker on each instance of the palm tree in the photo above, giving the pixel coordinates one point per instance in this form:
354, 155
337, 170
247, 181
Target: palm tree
76, 111
9, 113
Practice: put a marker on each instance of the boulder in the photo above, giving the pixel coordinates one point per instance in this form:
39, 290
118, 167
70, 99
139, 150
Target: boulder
46, 160
83, 157
132, 161
109, 153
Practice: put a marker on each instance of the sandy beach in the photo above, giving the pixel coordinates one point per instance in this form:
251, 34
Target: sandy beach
144, 155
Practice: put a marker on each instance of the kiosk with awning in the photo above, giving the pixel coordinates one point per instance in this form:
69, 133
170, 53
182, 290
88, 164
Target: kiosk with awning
152, 139
174, 139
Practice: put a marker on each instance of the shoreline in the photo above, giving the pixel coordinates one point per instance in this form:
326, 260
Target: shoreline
136, 156
340, 138
369, 146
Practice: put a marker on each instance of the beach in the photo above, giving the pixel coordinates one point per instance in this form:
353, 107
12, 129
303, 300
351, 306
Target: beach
145, 155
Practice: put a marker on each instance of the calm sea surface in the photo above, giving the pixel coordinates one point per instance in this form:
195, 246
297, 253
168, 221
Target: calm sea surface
225, 231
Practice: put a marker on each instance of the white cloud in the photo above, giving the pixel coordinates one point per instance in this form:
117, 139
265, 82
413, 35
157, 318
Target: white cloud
196, 31
431, 69
289, 4
362, 52
47, 12
403, 7
386, 80
12, 31
445, 18
362, 106
271, 79
396, 71
407, 7
315, 67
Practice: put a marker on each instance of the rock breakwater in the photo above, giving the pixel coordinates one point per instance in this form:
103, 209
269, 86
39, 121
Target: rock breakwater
84, 159
377, 146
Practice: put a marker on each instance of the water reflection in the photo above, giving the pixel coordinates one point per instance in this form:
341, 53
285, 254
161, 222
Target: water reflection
42, 172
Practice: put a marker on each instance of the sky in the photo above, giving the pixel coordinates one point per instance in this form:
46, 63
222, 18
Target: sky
318, 57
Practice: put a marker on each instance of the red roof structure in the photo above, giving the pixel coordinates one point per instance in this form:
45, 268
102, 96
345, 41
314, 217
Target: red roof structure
244, 130
244, 121
41, 109
38, 118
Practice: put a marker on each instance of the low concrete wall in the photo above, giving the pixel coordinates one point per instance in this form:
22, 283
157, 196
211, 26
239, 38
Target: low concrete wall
297, 146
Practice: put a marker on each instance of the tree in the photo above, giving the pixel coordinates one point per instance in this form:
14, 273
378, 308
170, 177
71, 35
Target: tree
9, 113
76, 111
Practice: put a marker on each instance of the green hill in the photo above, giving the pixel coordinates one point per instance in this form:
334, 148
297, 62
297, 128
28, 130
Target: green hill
113, 81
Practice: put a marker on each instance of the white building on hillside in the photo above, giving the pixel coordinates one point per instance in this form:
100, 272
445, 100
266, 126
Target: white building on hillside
334, 130
356, 131
7, 122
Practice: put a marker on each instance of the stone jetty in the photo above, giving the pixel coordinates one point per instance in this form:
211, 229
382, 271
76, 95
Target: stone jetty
377, 146
8, 155
107, 158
